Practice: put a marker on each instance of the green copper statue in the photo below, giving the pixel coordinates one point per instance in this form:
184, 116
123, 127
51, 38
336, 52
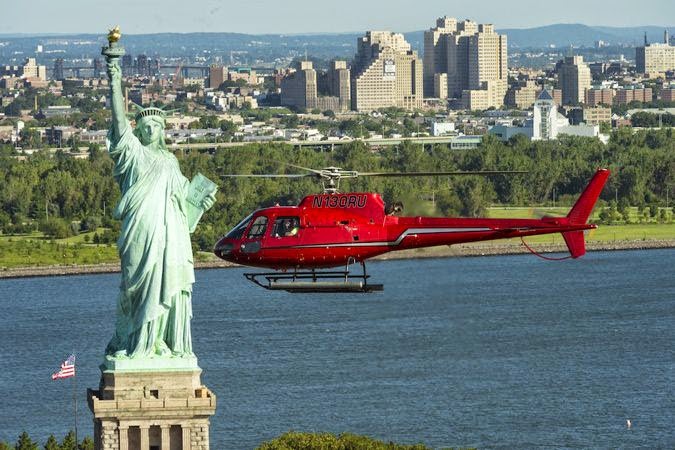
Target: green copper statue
158, 213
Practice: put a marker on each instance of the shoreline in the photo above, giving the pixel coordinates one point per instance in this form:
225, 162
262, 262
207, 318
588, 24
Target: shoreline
456, 251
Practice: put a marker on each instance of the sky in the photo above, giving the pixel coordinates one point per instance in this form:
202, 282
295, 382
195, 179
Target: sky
316, 16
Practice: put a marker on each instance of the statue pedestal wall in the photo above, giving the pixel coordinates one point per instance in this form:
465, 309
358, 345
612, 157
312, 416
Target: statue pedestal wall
165, 409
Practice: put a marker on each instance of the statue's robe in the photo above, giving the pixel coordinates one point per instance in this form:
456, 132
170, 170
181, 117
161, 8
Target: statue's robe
154, 305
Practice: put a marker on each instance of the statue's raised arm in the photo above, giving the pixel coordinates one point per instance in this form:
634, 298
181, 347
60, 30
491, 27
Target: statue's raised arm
119, 120
112, 55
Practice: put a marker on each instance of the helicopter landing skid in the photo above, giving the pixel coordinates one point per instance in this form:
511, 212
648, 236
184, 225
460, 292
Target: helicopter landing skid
340, 281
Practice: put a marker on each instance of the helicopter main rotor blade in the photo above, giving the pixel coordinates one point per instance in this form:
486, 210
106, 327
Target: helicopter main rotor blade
314, 171
269, 175
432, 174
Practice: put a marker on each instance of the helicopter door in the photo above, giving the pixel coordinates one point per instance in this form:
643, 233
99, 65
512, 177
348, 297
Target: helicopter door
255, 234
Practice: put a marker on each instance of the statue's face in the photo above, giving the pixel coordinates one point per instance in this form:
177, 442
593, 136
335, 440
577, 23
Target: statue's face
150, 129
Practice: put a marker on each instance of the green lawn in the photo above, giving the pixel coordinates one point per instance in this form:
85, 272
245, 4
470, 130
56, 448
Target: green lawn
36, 250
501, 212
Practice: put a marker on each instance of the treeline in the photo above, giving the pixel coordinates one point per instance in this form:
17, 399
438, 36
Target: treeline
81, 194
643, 119
24, 442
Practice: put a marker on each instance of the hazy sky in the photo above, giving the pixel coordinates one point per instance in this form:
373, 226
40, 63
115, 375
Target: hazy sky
303, 16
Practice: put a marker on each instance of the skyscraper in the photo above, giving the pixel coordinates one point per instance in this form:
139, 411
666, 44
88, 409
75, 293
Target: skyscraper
299, 88
436, 53
142, 66
217, 75
473, 56
31, 69
127, 65
385, 73
306, 89
57, 74
98, 67
656, 57
574, 77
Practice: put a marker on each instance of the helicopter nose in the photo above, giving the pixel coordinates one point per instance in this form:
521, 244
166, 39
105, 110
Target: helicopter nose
223, 249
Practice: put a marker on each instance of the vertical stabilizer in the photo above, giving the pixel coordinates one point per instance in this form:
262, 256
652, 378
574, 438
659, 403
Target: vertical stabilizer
581, 211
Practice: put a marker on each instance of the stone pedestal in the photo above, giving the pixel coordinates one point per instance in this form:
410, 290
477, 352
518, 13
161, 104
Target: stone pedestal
159, 409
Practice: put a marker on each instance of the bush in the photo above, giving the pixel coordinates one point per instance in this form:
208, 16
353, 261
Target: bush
90, 223
55, 228
326, 441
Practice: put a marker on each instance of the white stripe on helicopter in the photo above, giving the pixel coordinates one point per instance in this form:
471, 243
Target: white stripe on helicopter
406, 233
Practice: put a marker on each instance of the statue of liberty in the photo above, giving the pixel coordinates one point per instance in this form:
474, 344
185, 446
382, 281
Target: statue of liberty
154, 306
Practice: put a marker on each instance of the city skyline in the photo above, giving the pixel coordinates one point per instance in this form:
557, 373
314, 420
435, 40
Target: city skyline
267, 17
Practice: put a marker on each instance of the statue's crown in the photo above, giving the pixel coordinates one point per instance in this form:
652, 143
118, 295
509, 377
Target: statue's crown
150, 111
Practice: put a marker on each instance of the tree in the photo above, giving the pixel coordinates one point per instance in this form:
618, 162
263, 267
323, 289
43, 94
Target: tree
209, 121
69, 442
86, 444
25, 443
290, 121
228, 127
94, 152
52, 443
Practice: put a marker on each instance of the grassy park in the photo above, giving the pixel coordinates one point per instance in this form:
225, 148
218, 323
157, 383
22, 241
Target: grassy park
35, 249
649, 229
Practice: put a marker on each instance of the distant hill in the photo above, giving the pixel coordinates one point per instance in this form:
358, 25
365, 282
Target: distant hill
250, 49
578, 35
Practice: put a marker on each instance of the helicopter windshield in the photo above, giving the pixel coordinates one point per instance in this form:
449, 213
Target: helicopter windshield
238, 231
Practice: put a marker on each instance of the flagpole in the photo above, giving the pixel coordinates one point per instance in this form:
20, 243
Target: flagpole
75, 406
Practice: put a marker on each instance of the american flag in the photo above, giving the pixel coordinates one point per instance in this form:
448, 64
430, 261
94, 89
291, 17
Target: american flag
67, 369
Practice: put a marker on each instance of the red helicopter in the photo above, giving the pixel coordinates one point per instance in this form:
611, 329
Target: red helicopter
339, 229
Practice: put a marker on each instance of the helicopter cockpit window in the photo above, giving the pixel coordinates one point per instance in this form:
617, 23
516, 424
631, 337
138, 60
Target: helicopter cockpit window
286, 227
238, 231
258, 227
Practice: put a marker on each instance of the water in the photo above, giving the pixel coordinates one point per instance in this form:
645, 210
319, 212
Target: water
493, 352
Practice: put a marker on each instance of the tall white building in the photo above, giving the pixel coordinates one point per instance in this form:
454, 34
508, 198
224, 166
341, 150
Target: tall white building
474, 58
546, 124
546, 121
656, 57
574, 77
386, 73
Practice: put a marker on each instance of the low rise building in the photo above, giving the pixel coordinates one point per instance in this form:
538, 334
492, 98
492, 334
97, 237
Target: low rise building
599, 96
633, 94
59, 136
242, 73
597, 115
522, 95
58, 111
546, 123
442, 128
94, 137
465, 142
667, 94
